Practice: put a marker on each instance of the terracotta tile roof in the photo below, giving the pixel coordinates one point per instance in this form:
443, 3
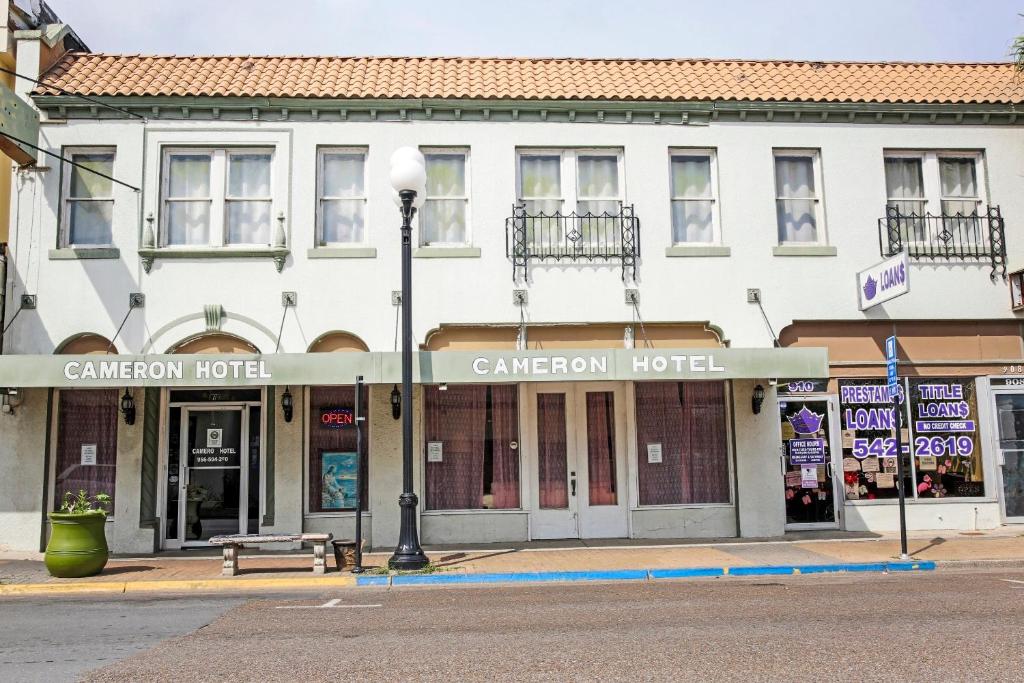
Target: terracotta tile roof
535, 79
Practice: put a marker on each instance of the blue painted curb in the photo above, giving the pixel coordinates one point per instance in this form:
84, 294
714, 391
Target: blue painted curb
639, 574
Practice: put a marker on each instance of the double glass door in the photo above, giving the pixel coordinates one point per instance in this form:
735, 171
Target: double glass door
1010, 425
578, 461
213, 454
810, 484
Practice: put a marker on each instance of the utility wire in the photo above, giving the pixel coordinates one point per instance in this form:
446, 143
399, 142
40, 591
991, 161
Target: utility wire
120, 327
69, 161
62, 91
280, 329
11, 321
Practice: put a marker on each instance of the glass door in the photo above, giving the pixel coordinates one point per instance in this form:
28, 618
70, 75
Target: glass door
600, 430
214, 473
1010, 425
555, 472
578, 467
807, 463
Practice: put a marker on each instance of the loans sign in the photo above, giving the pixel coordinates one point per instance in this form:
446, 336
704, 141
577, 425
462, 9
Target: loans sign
884, 281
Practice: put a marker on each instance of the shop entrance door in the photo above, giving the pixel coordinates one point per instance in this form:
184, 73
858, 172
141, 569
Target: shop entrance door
1009, 415
212, 499
578, 474
807, 459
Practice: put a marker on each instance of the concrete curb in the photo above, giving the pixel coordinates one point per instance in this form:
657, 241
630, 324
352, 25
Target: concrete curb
639, 574
171, 586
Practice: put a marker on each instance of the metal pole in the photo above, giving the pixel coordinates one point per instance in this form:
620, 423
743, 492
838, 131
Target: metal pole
897, 413
408, 554
358, 568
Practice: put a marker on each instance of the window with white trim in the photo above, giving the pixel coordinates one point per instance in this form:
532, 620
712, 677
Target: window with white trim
934, 182
587, 180
88, 211
694, 196
444, 217
341, 202
217, 197
798, 197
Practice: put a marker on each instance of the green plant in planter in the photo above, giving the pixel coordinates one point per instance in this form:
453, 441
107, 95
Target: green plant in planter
78, 540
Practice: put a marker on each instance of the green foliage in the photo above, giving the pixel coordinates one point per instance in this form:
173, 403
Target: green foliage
84, 504
1017, 52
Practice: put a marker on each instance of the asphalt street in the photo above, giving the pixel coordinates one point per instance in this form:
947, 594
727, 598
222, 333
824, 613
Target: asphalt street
933, 626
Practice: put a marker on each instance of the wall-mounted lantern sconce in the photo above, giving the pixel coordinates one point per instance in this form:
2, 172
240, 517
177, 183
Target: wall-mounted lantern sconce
128, 408
757, 399
11, 399
396, 402
287, 405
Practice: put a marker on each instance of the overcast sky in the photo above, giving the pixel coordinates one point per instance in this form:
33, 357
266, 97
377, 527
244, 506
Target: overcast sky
938, 30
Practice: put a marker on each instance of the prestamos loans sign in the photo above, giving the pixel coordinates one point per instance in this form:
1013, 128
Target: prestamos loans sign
27, 371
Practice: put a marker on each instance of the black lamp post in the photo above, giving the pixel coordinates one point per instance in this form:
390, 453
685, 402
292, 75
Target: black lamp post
408, 178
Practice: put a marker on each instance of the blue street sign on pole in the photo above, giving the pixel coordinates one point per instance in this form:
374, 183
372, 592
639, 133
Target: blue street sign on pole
890, 365
894, 396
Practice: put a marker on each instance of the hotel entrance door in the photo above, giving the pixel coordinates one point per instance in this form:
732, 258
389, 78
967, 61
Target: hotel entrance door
213, 465
577, 468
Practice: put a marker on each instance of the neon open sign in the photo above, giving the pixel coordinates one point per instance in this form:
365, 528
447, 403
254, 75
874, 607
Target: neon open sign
337, 418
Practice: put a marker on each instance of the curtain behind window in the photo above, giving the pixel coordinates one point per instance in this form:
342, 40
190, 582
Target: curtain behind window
959, 186
248, 199
688, 420
797, 214
86, 417
343, 200
443, 217
505, 432
188, 184
324, 440
456, 418
691, 200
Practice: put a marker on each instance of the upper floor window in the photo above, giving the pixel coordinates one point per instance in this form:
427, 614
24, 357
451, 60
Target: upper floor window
444, 218
217, 197
341, 206
694, 210
946, 183
798, 197
87, 218
589, 181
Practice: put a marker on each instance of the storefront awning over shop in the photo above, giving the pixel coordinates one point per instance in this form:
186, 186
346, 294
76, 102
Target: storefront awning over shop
25, 371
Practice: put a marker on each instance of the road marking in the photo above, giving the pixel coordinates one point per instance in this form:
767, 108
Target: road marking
1011, 580
327, 605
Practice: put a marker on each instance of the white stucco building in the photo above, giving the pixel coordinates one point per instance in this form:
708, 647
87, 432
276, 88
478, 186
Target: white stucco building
616, 260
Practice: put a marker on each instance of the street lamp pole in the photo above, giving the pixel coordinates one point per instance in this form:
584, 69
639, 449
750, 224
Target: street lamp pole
408, 178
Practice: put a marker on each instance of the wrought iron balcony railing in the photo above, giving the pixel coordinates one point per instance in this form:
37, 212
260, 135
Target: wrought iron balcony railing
975, 237
572, 237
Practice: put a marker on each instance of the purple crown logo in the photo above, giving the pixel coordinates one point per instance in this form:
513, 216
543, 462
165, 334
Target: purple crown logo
870, 288
806, 422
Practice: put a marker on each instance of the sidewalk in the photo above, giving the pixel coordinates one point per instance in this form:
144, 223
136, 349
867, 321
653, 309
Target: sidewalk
200, 570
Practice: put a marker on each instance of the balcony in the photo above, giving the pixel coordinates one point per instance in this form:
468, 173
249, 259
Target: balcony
972, 238
596, 238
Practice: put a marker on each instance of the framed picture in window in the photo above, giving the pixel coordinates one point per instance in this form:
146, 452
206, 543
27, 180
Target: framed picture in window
338, 480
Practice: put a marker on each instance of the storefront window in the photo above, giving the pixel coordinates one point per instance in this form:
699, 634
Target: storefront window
332, 449
947, 450
682, 443
939, 422
472, 447
86, 443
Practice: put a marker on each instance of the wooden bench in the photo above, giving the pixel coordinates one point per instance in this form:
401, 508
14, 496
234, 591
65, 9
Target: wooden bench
235, 542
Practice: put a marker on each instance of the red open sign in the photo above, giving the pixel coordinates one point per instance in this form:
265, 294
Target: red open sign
337, 418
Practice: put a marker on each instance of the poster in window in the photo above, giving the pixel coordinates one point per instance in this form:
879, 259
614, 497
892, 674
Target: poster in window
945, 440
88, 454
435, 451
338, 480
654, 453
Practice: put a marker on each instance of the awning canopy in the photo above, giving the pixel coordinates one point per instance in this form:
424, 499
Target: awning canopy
199, 370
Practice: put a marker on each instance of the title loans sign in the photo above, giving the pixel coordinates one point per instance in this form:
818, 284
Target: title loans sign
884, 281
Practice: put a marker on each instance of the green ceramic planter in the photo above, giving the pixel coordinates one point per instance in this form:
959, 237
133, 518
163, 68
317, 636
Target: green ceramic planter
78, 544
